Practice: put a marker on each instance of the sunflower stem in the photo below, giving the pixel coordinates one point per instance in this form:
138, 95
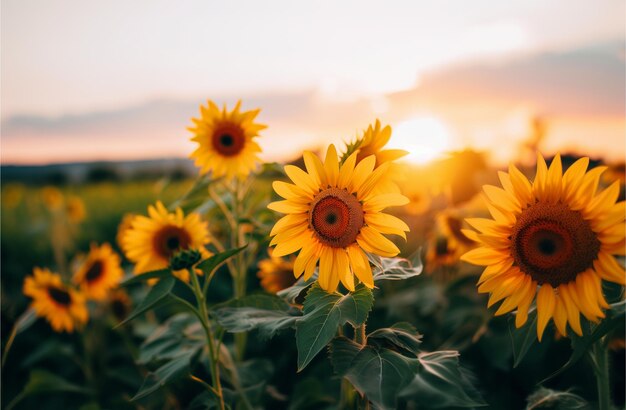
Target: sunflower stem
601, 359
213, 353
239, 276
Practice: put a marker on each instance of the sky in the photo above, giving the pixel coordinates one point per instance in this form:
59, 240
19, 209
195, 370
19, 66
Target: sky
120, 80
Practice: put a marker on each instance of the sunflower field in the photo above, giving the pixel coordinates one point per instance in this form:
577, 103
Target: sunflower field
347, 278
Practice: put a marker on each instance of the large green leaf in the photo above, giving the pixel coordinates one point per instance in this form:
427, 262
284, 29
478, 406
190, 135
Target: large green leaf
323, 314
396, 268
378, 373
524, 337
266, 313
544, 398
441, 383
155, 297
402, 335
170, 371
179, 334
155, 274
209, 265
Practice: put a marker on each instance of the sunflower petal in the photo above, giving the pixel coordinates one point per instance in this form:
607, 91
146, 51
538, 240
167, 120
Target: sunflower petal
546, 302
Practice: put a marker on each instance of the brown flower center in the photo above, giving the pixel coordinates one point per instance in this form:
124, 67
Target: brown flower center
228, 139
441, 247
336, 217
553, 244
170, 239
59, 296
94, 272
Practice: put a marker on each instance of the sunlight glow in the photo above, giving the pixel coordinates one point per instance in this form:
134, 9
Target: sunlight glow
425, 138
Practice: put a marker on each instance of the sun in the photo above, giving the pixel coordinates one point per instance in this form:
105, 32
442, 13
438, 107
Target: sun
425, 138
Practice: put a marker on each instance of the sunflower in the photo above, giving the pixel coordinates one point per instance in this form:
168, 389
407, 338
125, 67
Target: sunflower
151, 241
99, 272
62, 306
119, 303
75, 209
372, 142
554, 238
226, 141
333, 214
449, 244
276, 273
127, 221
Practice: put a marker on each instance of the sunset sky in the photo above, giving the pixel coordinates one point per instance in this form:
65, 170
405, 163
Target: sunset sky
115, 80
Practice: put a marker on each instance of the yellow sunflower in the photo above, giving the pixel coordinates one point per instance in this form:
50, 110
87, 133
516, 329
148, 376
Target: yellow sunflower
449, 244
99, 272
127, 221
372, 142
554, 238
120, 303
226, 141
276, 273
151, 241
75, 209
62, 306
333, 215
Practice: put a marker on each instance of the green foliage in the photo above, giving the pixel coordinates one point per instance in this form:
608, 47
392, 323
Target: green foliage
524, 337
171, 370
544, 398
266, 313
396, 268
378, 373
44, 382
156, 297
324, 313
209, 265
441, 383
391, 366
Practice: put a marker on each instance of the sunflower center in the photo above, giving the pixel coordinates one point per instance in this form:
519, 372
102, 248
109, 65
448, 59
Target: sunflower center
228, 140
94, 272
441, 246
553, 244
336, 217
59, 296
171, 239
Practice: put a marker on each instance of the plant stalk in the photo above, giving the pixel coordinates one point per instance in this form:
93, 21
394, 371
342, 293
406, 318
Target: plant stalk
601, 359
213, 353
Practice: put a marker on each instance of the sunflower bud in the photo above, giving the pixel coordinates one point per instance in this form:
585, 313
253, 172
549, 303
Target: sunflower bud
184, 259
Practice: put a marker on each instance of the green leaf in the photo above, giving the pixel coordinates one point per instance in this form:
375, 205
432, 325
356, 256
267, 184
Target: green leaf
42, 381
167, 373
582, 344
266, 313
524, 337
441, 383
179, 334
294, 293
396, 268
544, 398
378, 373
209, 265
324, 313
402, 335
155, 297
155, 274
